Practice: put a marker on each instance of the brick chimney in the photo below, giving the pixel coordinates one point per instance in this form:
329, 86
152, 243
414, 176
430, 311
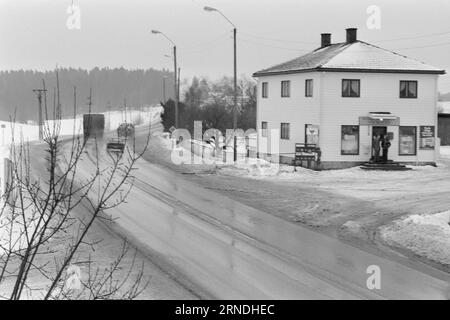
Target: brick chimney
325, 40
351, 35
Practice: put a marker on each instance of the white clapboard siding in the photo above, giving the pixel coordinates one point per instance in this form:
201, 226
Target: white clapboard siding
328, 109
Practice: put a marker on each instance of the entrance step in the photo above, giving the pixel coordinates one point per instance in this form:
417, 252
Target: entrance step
388, 166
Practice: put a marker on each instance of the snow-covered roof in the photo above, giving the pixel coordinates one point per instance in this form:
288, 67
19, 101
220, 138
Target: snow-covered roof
444, 107
355, 56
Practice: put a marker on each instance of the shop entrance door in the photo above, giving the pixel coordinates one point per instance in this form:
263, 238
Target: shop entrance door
379, 132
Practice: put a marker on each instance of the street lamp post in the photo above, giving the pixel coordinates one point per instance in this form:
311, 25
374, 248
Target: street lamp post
175, 86
211, 9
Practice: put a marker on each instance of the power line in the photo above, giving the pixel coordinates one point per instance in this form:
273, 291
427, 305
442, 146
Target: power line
415, 37
206, 43
275, 39
271, 46
426, 46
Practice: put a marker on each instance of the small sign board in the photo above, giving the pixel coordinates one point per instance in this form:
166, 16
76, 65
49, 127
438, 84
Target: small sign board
306, 153
172, 129
427, 135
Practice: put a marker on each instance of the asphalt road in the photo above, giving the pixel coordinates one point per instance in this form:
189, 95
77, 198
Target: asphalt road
232, 251
216, 247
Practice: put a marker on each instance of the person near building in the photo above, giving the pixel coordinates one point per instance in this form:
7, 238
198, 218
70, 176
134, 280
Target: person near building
385, 144
376, 148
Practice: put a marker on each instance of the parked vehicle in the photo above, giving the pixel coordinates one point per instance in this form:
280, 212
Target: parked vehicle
93, 126
115, 145
125, 130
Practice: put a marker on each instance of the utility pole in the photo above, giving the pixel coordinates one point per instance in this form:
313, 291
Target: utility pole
235, 96
211, 9
175, 84
39, 93
164, 89
178, 84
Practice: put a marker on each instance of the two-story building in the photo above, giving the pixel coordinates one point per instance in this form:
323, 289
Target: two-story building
340, 95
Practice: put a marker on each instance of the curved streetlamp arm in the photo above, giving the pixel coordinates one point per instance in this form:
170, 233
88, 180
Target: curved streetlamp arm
164, 35
211, 9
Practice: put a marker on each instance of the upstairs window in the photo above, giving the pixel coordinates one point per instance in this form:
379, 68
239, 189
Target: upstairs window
264, 89
285, 134
309, 88
264, 129
408, 89
351, 88
285, 89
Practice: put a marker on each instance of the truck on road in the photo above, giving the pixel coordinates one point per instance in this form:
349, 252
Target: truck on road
93, 126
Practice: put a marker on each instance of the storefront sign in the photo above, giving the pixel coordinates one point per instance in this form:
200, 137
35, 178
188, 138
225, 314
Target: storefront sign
368, 121
427, 137
306, 153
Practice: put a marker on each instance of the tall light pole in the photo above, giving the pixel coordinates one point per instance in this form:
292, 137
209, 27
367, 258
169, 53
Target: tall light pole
211, 9
175, 85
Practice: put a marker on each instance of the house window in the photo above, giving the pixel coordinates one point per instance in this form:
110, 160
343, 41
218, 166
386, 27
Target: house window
309, 88
265, 88
285, 89
264, 129
285, 131
407, 141
350, 140
408, 89
350, 88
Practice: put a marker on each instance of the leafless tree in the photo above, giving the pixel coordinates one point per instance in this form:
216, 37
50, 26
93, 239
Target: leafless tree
49, 205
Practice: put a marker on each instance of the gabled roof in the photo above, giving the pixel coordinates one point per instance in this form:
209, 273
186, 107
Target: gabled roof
357, 56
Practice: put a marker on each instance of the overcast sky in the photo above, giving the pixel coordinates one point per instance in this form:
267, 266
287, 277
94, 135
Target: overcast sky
115, 33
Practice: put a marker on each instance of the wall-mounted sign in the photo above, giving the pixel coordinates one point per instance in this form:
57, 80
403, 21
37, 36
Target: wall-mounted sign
427, 137
368, 121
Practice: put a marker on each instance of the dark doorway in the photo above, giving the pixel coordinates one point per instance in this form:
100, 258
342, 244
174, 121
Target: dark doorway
379, 132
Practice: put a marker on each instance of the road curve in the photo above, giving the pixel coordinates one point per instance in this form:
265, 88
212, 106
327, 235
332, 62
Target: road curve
233, 251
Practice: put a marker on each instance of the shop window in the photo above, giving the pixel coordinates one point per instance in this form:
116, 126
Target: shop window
350, 140
265, 89
312, 134
285, 134
285, 89
264, 129
408, 89
309, 88
350, 88
407, 141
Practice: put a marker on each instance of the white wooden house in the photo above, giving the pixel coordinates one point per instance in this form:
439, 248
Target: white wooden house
339, 95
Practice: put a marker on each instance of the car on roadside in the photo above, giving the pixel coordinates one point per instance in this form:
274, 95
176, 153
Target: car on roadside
125, 130
115, 146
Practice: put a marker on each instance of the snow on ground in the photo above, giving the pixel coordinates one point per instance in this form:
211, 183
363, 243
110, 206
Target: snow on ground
354, 182
445, 152
426, 235
359, 200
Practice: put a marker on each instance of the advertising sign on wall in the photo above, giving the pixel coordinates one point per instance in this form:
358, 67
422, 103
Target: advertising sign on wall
427, 137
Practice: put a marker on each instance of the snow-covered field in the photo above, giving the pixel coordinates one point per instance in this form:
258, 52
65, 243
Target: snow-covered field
426, 235
16, 132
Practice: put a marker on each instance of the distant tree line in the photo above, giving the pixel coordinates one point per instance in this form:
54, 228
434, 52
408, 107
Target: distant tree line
212, 103
111, 90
